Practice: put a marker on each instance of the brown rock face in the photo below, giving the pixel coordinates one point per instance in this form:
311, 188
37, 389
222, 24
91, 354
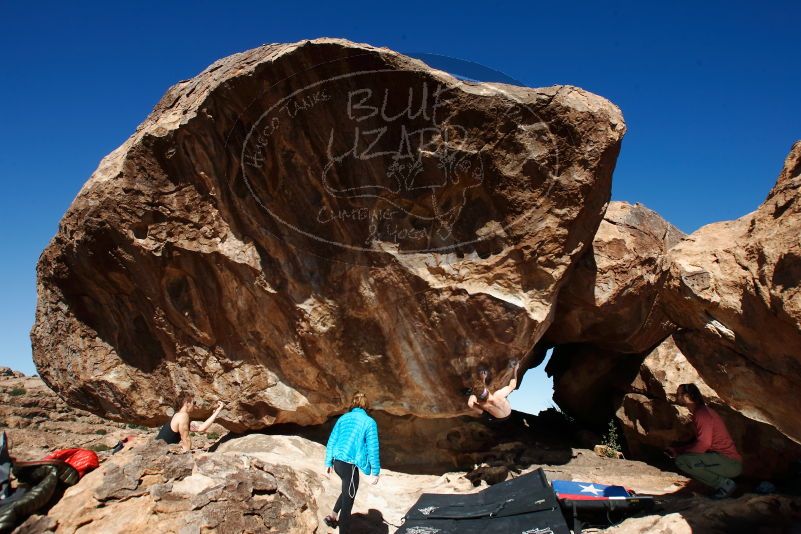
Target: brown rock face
648, 413
595, 386
731, 288
611, 300
609, 313
735, 289
652, 421
302, 221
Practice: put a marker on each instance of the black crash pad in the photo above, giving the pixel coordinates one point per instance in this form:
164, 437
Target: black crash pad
525, 505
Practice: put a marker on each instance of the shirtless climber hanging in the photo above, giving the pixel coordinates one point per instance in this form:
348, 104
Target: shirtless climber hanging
494, 406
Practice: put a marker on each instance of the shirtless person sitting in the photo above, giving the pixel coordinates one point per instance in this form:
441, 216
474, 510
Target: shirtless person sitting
494, 405
177, 429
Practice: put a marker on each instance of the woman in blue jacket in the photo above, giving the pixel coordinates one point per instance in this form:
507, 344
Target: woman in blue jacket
353, 444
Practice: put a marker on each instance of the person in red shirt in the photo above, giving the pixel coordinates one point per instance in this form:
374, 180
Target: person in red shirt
712, 458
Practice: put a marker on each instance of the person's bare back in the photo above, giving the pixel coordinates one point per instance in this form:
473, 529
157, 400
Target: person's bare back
499, 408
495, 404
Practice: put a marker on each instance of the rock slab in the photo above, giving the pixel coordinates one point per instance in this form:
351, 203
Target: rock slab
301, 221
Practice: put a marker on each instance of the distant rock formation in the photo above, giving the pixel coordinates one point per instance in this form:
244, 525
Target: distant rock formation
37, 421
7, 371
299, 222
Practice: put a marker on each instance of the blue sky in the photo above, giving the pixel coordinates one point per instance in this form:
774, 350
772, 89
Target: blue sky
709, 91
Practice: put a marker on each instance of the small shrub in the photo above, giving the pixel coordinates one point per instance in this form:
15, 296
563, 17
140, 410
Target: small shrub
16, 392
98, 447
213, 436
611, 440
134, 426
100, 432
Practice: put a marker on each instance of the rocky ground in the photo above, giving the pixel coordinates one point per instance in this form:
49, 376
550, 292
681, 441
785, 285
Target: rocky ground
195, 258
261, 483
38, 421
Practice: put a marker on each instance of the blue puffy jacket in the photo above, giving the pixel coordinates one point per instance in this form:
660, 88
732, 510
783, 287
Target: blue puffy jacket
354, 440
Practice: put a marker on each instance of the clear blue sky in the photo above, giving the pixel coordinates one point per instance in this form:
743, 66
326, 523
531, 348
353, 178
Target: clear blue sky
710, 93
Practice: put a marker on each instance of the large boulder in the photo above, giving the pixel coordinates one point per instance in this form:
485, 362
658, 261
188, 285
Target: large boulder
302, 221
612, 298
735, 290
609, 313
729, 295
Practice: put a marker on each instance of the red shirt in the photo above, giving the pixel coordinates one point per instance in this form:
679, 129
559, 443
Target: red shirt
711, 435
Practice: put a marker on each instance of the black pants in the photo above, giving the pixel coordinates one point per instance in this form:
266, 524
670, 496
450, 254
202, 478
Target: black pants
349, 474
